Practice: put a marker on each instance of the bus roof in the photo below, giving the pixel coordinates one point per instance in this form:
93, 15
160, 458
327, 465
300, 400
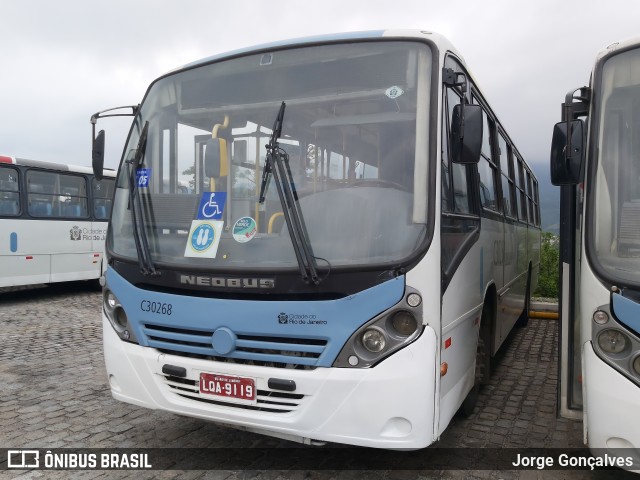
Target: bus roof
61, 167
336, 37
616, 46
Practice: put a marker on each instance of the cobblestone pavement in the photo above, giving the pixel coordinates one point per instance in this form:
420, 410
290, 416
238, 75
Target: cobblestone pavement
54, 394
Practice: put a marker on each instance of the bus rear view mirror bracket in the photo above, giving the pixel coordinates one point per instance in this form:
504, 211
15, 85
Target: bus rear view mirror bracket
97, 149
567, 156
466, 133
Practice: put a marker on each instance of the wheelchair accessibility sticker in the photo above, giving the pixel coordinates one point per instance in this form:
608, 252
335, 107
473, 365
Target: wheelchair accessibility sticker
211, 206
203, 239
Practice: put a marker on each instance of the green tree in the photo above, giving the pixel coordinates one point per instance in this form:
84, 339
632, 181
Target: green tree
548, 282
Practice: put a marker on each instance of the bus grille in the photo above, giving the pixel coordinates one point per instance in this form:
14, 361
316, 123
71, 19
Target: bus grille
268, 351
267, 400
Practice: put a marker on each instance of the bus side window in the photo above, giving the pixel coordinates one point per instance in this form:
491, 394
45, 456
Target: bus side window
487, 168
40, 204
9, 194
73, 196
458, 222
455, 185
506, 168
102, 194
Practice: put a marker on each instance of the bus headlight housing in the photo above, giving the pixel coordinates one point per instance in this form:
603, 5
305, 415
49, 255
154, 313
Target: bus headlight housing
117, 316
384, 334
612, 341
616, 343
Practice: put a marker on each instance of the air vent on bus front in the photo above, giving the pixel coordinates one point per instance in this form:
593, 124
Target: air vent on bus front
279, 352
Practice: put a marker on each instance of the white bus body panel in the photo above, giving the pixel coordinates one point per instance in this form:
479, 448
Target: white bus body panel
50, 251
388, 406
610, 399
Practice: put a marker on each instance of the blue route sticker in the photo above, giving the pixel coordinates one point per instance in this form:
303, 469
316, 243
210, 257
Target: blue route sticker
211, 206
143, 175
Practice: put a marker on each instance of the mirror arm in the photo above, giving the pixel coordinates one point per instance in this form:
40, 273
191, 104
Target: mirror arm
97, 115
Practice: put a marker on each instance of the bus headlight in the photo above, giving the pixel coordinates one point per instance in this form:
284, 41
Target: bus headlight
404, 323
612, 341
636, 365
373, 340
110, 302
117, 316
384, 334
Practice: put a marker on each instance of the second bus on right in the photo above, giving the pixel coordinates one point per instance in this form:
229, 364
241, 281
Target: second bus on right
595, 158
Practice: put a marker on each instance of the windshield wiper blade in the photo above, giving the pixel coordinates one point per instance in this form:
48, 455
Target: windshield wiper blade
272, 149
137, 216
277, 165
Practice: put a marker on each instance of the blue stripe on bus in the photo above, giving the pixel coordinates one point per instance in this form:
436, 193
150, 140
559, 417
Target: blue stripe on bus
298, 332
627, 312
13, 242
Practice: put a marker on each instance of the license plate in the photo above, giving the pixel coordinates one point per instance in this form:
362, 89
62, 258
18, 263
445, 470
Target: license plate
227, 386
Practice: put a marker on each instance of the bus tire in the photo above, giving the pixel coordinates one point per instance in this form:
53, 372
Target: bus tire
523, 319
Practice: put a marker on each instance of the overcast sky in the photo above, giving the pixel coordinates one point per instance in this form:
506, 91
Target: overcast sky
61, 61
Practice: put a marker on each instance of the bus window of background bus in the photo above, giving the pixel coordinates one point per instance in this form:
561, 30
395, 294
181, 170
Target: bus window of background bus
73, 196
506, 167
56, 195
9, 192
102, 195
532, 218
522, 191
487, 169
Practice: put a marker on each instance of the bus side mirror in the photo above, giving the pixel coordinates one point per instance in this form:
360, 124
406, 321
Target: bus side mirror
567, 158
97, 155
466, 133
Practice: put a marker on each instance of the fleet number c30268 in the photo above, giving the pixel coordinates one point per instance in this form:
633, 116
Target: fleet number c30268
156, 307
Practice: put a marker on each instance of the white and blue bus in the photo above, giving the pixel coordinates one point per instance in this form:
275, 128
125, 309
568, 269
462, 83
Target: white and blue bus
600, 250
359, 236
53, 222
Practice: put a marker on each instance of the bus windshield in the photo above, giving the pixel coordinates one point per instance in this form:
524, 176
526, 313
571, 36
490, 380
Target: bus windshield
354, 138
616, 204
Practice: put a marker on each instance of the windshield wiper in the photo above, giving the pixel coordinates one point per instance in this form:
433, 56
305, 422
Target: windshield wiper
276, 164
135, 203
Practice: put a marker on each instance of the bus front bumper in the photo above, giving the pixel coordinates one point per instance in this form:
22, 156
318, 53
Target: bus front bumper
388, 406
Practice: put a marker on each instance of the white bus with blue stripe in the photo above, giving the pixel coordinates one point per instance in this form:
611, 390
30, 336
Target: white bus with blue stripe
359, 236
600, 252
53, 220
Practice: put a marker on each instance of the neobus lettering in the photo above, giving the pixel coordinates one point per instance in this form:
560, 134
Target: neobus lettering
227, 282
